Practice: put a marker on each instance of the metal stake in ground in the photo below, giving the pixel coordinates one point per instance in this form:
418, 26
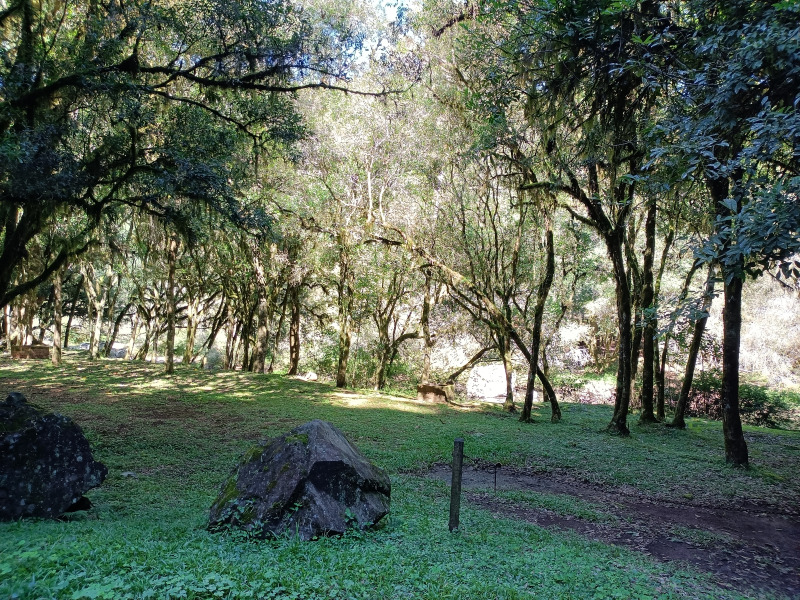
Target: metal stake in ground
455, 485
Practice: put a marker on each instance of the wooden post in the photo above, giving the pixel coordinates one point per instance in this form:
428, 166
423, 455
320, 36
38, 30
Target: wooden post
455, 485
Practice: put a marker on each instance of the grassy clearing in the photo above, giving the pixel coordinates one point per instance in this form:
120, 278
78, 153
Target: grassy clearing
170, 442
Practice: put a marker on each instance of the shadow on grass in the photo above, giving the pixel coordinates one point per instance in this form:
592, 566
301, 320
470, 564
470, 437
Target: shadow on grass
194, 424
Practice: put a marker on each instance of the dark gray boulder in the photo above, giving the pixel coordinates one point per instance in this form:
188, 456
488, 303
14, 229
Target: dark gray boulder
46, 464
311, 482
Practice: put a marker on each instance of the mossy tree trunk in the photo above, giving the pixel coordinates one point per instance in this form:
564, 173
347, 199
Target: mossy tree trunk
172, 259
192, 318
294, 328
648, 321
425, 324
57, 316
699, 328
504, 345
76, 294
538, 316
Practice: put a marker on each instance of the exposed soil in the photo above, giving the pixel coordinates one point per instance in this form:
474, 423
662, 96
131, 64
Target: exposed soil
747, 548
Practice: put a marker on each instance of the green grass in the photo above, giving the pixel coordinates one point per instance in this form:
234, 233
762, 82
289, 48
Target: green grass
699, 537
560, 504
170, 442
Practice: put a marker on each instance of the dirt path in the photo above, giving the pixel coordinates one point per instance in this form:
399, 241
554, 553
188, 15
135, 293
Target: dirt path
743, 547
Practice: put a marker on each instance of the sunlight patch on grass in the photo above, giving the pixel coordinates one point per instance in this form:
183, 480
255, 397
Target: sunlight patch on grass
182, 435
364, 402
357, 402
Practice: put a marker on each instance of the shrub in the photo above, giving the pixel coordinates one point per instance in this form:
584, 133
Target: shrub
757, 405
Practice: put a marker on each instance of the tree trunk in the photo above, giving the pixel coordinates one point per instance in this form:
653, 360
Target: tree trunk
134, 334
508, 367
659, 368
109, 313
345, 293
426, 331
237, 343
636, 342
694, 348
735, 444
262, 335
276, 338
97, 294
57, 316
156, 335
169, 352
42, 312
545, 363
648, 329
29, 313
550, 396
142, 353
217, 323
451, 379
73, 305
91, 306
636, 283
548, 389
384, 349
231, 342
192, 309
247, 328
112, 336
94, 342
16, 317
619, 420
344, 355
7, 315
538, 316
294, 330
380, 372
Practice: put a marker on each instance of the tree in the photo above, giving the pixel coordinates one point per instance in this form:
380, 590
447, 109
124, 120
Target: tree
698, 322
486, 245
388, 285
105, 106
571, 68
736, 125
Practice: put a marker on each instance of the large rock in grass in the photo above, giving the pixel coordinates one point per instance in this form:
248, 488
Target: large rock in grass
46, 464
311, 482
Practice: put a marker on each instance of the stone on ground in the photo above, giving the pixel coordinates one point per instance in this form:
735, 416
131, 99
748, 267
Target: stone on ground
46, 464
432, 392
311, 482
33, 351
